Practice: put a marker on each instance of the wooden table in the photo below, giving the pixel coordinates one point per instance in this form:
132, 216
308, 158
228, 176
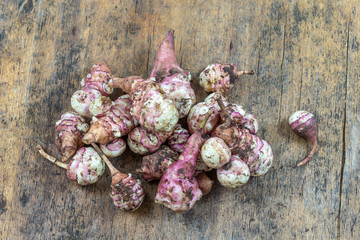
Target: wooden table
305, 55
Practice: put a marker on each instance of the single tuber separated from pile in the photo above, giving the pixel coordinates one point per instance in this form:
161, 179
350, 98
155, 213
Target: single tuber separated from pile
178, 188
173, 81
178, 139
69, 131
233, 174
304, 124
127, 192
114, 148
149, 107
220, 77
115, 123
154, 165
84, 168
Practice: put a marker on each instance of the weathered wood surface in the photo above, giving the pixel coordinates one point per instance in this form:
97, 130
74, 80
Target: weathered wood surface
305, 54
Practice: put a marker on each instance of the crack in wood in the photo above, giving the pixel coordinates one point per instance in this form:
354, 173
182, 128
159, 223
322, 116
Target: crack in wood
281, 68
343, 160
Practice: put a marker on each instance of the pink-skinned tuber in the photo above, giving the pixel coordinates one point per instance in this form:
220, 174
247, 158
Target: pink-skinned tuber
215, 153
198, 111
149, 106
178, 188
84, 168
69, 131
178, 139
240, 118
98, 79
173, 81
115, 123
114, 148
142, 141
233, 174
153, 166
204, 182
220, 77
127, 192
304, 124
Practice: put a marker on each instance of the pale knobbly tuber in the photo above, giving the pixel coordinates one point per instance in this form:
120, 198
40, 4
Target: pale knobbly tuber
197, 115
233, 174
68, 133
215, 153
81, 100
114, 148
178, 139
149, 106
84, 168
304, 124
153, 166
100, 106
220, 77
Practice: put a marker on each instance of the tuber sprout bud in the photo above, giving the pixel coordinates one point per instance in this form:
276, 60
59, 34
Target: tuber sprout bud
178, 139
220, 77
215, 153
304, 124
114, 148
233, 174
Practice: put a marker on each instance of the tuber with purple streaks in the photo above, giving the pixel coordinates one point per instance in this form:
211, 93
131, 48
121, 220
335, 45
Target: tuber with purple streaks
114, 148
178, 139
69, 131
114, 123
304, 124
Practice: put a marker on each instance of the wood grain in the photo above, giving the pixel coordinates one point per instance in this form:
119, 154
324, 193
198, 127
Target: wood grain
305, 55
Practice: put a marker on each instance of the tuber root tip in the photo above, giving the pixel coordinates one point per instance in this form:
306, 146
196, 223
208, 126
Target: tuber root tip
88, 138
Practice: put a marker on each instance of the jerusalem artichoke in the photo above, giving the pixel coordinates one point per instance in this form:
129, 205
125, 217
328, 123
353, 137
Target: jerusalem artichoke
178, 139
304, 124
233, 174
84, 168
68, 133
220, 77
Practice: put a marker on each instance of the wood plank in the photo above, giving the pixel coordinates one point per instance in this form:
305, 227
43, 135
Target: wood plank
299, 52
349, 198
